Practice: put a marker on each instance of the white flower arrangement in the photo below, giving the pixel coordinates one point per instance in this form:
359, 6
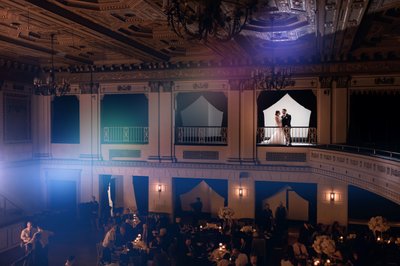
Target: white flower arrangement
324, 245
378, 224
211, 226
247, 229
226, 213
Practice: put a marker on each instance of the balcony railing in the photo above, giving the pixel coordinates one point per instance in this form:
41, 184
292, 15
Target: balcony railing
201, 135
299, 135
125, 135
9, 210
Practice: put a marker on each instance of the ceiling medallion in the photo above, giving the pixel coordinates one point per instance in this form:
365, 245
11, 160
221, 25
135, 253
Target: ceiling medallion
204, 19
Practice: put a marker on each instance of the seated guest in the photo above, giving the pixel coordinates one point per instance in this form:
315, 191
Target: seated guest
253, 261
109, 243
27, 233
300, 253
239, 258
225, 260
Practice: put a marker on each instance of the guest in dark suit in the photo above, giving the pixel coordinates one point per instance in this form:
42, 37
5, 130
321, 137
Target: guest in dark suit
286, 119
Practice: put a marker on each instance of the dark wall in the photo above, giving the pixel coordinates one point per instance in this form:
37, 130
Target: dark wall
65, 126
374, 120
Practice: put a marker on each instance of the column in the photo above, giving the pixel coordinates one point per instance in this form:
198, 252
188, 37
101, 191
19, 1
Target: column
233, 122
324, 110
166, 125
41, 126
89, 109
154, 122
248, 125
339, 110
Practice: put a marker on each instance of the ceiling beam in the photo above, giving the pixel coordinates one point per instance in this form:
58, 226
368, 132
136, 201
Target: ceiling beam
42, 49
73, 17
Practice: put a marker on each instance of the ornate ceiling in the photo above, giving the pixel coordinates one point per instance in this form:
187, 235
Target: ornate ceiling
135, 33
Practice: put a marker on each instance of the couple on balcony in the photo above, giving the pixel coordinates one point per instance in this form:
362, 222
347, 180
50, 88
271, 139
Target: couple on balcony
281, 135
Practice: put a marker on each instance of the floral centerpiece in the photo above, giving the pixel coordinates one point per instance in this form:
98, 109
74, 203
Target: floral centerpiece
378, 224
226, 213
325, 247
247, 229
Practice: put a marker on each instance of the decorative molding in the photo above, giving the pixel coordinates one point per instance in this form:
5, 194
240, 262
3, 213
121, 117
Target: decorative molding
343, 81
286, 157
200, 85
89, 88
201, 155
384, 81
124, 88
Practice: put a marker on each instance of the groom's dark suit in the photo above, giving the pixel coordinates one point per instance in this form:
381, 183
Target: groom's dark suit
286, 119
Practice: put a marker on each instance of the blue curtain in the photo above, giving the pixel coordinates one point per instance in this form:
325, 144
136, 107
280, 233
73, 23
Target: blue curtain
264, 189
184, 185
141, 188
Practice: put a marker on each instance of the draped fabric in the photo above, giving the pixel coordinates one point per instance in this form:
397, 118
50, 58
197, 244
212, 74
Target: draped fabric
65, 120
217, 99
141, 189
104, 181
112, 191
364, 204
307, 191
304, 97
373, 120
184, 185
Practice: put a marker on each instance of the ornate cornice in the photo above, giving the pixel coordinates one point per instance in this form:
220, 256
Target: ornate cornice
234, 72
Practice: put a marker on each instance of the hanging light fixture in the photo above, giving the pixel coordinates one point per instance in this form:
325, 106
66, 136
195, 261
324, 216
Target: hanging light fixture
273, 78
201, 19
276, 78
50, 87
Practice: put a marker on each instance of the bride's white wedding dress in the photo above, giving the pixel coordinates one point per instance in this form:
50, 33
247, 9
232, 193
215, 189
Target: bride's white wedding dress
278, 137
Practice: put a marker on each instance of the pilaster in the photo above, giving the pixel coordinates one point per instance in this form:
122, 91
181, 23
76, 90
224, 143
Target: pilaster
89, 110
41, 126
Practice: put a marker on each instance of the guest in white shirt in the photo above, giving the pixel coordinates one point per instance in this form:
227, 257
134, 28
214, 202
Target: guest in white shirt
108, 244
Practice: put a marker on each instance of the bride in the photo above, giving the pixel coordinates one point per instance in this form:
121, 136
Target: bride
278, 137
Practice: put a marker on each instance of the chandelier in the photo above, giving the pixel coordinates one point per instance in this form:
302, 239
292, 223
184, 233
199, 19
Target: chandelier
201, 19
50, 87
273, 79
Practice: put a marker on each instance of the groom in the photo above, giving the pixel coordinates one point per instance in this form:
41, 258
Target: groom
286, 118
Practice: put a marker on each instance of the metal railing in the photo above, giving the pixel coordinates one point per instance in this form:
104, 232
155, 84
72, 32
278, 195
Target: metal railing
298, 135
125, 135
201, 135
363, 150
9, 209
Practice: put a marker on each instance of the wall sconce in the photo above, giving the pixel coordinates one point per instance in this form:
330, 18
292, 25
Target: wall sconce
240, 192
332, 196
159, 188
